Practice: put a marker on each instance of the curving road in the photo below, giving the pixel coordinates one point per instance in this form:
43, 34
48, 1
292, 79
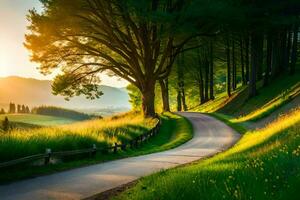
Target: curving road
210, 137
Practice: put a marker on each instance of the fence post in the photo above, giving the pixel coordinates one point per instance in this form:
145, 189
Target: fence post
48, 156
94, 150
115, 148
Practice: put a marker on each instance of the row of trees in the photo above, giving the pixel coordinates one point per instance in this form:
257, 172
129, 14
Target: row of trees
60, 112
2, 111
13, 108
142, 41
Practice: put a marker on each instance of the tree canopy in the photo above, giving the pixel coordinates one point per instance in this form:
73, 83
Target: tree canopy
139, 41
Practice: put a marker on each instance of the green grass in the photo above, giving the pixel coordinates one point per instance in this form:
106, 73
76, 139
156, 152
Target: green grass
264, 164
219, 101
81, 135
269, 98
38, 120
239, 127
242, 109
174, 131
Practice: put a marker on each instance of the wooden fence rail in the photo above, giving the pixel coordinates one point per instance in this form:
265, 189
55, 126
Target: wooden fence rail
92, 151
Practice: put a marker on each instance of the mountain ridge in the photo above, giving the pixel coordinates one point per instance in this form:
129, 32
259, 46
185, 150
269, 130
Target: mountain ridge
34, 92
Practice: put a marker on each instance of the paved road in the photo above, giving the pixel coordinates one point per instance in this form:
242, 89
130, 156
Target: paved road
210, 136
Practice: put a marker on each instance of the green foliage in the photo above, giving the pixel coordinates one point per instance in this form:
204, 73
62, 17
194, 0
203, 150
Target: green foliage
12, 108
135, 97
2, 111
64, 85
5, 124
60, 112
130, 39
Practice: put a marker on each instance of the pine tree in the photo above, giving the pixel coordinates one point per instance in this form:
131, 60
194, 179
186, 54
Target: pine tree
5, 124
19, 108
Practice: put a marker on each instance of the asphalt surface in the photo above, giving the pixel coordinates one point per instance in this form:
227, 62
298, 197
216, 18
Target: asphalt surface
210, 137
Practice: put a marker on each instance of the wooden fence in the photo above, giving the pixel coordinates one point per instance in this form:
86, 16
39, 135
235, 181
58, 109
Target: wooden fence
135, 143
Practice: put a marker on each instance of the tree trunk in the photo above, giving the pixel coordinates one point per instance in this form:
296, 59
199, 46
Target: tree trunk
148, 96
201, 92
200, 79
228, 78
211, 72
233, 66
164, 86
183, 99
294, 54
242, 62
260, 55
269, 59
179, 107
206, 79
247, 58
254, 63
288, 49
282, 54
275, 56
181, 82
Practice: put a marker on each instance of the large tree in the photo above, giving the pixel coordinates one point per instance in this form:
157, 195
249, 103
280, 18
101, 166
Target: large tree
130, 39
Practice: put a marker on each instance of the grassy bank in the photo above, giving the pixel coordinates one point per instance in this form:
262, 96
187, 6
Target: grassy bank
269, 99
263, 165
174, 131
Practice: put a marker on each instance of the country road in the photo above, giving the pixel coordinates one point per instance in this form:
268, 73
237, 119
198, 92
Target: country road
210, 136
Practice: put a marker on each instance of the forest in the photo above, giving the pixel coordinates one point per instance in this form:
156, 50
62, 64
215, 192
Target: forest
150, 42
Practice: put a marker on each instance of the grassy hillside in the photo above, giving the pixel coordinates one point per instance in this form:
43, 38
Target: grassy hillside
263, 165
269, 98
174, 131
39, 120
19, 143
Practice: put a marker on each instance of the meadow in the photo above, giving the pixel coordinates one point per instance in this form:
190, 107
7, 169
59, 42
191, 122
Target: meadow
20, 143
264, 164
37, 120
175, 130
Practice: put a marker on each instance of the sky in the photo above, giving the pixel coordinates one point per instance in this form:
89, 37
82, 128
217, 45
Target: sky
14, 57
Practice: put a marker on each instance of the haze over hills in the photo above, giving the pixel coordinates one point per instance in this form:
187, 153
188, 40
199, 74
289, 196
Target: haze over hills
33, 92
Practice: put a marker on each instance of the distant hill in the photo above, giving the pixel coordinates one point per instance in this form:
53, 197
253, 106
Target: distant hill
33, 92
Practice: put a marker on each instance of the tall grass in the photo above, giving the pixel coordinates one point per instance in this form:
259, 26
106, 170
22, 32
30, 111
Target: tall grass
175, 130
265, 164
102, 132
